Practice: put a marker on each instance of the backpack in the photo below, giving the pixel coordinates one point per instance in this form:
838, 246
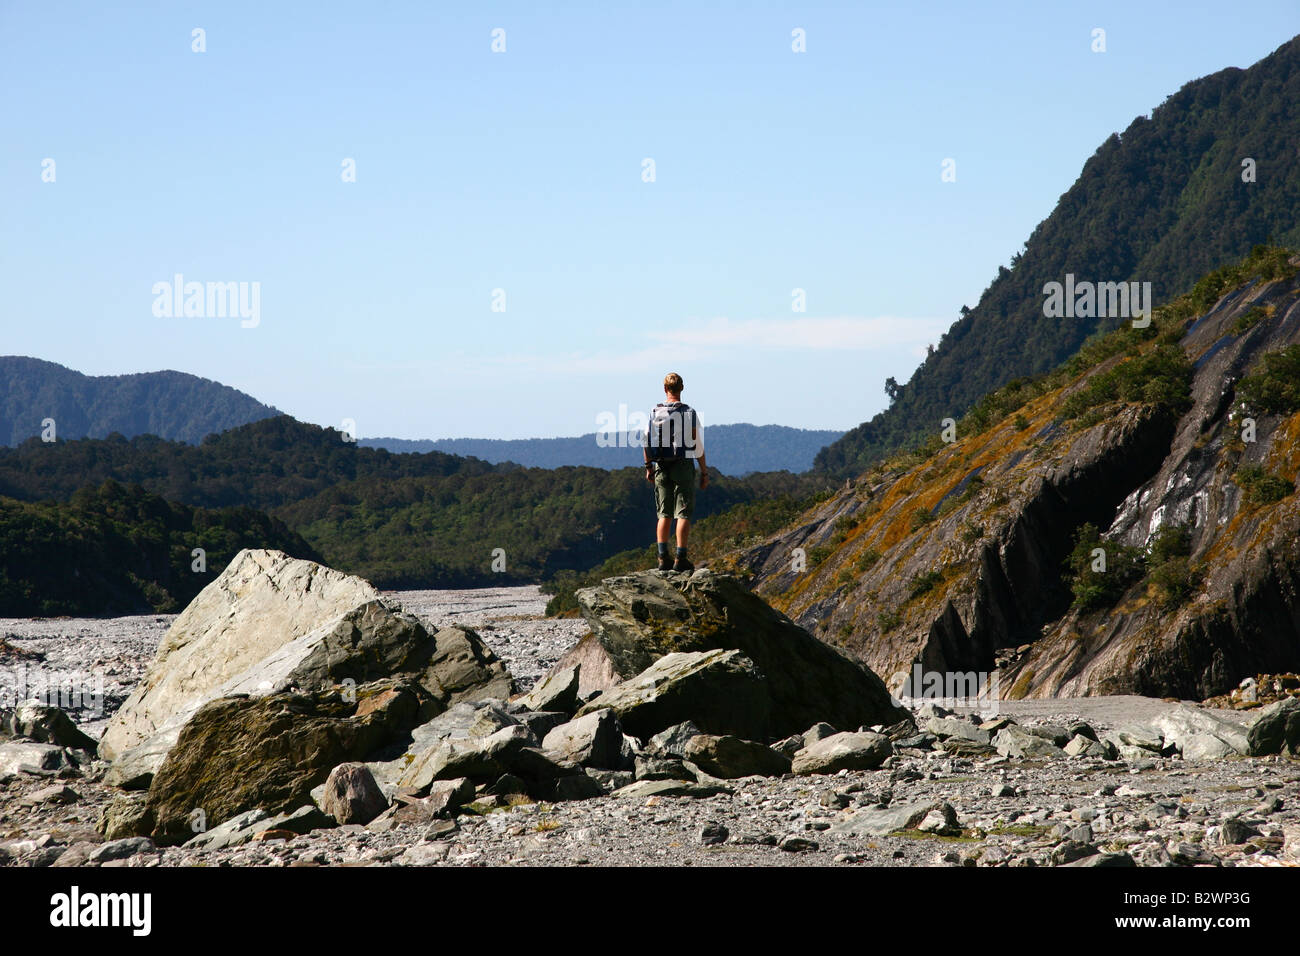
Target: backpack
670, 433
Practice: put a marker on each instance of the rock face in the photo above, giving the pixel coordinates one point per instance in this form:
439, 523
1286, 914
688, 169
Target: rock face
271, 623
721, 692
956, 563
637, 619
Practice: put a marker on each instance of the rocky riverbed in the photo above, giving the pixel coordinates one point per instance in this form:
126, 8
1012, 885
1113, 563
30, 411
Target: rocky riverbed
946, 796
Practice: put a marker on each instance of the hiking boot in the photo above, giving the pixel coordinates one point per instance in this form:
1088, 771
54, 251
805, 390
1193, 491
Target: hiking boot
665, 563
682, 564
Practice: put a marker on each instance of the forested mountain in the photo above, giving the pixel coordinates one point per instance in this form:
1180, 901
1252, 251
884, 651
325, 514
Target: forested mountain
261, 465
1128, 523
114, 549
1163, 202
401, 520
172, 405
731, 449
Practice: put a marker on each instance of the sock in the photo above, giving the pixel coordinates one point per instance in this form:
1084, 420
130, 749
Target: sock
663, 549
681, 553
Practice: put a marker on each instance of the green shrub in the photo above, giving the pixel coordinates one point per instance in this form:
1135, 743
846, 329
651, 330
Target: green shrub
1248, 320
1274, 386
888, 620
1092, 588
867, 559
1260, 487
923, 582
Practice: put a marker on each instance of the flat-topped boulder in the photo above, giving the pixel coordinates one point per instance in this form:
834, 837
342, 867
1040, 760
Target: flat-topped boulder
636, 619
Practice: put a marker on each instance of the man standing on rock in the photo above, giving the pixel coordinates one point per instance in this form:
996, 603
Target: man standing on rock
672, 443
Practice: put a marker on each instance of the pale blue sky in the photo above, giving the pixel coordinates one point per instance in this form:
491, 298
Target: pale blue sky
522, 171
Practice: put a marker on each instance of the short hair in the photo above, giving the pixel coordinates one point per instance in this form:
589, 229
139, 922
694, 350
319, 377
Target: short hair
673, 383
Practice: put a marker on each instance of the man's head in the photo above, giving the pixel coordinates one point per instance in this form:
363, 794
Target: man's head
673, 385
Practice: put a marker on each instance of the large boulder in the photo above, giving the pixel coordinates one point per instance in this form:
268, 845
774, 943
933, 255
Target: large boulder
270, 623
720, 691
238, 754
1277, 729
593, 740
730, 757
638, 618
847, 751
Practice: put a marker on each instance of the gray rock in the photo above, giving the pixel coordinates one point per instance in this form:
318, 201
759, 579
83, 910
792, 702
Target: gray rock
45, 724
78, 854
1081, 746
721, 691
642, 789
942, 820
57, 794
238, 829
593, 740
712, 834
269, 752
126, 815
846, 751
789, 746
1206, 747
1193, 854
1184, 721
729, 757
797, 844
638, 618
672, 741
946, 727
611, 780
1072, 851
556, 691
542, 722
352, 795
1235, 832
881, 821
477, 758
1056, 733
122, 849
269, 623
662, 768
1121, 860
300, 821
818, 731
1015, 741
37, 759
1276, 730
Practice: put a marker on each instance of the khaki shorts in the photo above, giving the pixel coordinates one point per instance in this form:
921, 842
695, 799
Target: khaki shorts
675, 488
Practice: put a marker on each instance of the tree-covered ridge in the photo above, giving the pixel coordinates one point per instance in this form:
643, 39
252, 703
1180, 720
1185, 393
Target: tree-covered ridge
445, 532
263, 465
116, 549
170, 404
1163, 202
430, 520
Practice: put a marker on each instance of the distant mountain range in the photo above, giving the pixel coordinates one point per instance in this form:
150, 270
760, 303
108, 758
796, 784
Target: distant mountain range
1210, 174
732, 449
172, 405
181, 407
